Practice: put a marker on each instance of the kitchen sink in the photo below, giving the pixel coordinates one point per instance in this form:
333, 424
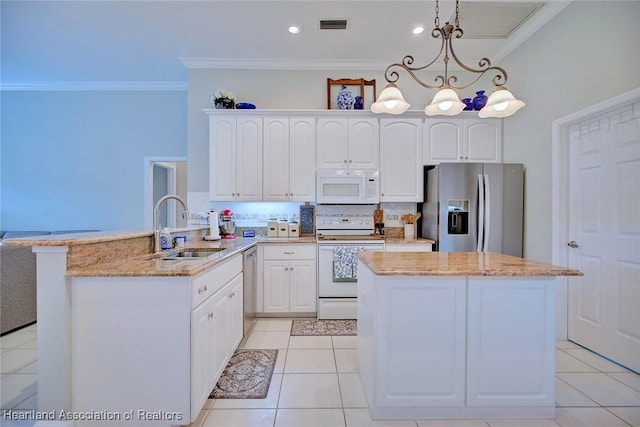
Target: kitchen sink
194, 253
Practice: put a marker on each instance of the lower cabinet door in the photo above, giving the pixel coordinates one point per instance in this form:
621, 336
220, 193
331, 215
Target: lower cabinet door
200, 356
276, 286
302, 286
511, 341
421, 349
236, 313
220, 335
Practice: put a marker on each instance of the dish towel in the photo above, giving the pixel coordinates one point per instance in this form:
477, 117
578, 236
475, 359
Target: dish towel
345, 263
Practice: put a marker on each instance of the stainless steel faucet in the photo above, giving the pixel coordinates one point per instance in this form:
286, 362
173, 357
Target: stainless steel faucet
156, 218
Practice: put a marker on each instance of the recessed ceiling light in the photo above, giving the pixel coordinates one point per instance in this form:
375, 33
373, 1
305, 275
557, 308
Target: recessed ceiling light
418, 29
294, 29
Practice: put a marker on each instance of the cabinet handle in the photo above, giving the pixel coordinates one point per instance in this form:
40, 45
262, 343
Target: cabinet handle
349, 161
210, 315
286, 269
345, 161
460, 157
200, 290
290, 253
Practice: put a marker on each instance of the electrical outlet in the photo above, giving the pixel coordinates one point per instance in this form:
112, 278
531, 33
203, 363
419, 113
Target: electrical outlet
392, 217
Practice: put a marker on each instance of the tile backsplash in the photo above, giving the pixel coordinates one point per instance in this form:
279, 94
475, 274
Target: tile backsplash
256, 214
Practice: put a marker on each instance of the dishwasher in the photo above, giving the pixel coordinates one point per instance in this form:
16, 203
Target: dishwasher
250, 282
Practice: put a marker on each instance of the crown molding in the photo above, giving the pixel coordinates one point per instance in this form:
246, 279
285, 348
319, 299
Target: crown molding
93, 86
280, 64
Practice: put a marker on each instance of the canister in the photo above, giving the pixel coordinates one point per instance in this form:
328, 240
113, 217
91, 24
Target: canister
283, 229
294, 229
272, 228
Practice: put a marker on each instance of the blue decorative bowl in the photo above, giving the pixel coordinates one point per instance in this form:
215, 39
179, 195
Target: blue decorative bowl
245, 106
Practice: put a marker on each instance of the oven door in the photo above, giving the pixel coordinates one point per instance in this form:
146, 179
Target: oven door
328, 285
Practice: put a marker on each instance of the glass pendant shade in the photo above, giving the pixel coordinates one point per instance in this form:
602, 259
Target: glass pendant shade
445, 103
390, 101
501, 103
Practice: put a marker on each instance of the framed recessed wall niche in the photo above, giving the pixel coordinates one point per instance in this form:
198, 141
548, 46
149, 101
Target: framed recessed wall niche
358, 87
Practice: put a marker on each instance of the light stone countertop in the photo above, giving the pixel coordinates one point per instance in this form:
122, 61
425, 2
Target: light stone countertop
458, 264
153, 265
130, 253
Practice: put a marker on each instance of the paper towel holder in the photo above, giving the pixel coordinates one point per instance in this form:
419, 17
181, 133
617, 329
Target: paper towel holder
214, 228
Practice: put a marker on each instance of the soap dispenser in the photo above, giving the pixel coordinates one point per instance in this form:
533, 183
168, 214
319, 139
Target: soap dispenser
165, 239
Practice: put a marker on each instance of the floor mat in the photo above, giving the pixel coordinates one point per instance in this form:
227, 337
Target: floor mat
323, 327
247, 375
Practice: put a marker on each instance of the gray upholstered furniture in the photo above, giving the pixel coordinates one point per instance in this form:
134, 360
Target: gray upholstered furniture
18, 281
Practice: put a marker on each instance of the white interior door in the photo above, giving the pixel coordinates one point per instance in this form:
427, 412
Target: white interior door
604, 234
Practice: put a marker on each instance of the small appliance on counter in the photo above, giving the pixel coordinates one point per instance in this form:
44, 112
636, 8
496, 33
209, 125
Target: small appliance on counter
214, 227
227, 225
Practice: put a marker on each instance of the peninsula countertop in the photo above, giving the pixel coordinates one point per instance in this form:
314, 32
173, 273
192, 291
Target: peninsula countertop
458, 264
130, 253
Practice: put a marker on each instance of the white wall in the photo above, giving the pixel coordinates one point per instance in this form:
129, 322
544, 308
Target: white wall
586, 54
75, 160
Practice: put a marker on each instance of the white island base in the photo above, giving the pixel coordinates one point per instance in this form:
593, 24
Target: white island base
456, 346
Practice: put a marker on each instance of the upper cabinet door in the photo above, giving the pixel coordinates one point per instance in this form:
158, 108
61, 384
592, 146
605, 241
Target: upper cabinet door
222, 158
276, 158
331, 143
363, 143
483, 140
302, 159
462, 140
443, 141
249, 159
401, 172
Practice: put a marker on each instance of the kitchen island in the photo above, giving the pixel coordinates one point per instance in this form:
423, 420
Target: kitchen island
457, 335
126, 333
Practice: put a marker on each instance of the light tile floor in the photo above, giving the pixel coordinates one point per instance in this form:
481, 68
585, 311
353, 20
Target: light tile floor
315, 383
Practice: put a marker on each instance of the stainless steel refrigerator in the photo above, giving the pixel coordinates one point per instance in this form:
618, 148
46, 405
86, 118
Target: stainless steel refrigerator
474, 207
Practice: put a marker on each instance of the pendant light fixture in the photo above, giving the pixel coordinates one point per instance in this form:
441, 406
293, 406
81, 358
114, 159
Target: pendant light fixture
501, 102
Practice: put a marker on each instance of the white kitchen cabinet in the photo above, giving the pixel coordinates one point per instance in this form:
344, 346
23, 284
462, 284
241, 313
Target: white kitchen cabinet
166, 343
456, 346
462, 140
351, 143
401, 170
289, 159
216, 332
406, 323
511, 341
235, 158
289, 278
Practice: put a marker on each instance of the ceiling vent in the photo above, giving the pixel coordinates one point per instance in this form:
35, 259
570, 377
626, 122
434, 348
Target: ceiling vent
333, 24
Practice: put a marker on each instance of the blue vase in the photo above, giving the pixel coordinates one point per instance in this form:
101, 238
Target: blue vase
358, 104
468, 104
345, 99
480, 100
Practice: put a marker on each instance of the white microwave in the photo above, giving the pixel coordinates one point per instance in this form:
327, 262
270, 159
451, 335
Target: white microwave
348, 187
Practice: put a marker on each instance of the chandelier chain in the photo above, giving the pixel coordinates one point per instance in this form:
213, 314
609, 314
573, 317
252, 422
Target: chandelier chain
446, 34
457, 21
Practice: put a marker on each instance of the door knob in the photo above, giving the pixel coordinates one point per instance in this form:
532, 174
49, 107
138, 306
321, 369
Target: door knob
572, 244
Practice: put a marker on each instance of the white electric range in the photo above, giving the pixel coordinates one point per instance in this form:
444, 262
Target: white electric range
339, 238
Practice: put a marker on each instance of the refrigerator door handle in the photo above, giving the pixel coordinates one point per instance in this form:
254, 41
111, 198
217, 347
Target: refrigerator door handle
480, 239
487, 216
